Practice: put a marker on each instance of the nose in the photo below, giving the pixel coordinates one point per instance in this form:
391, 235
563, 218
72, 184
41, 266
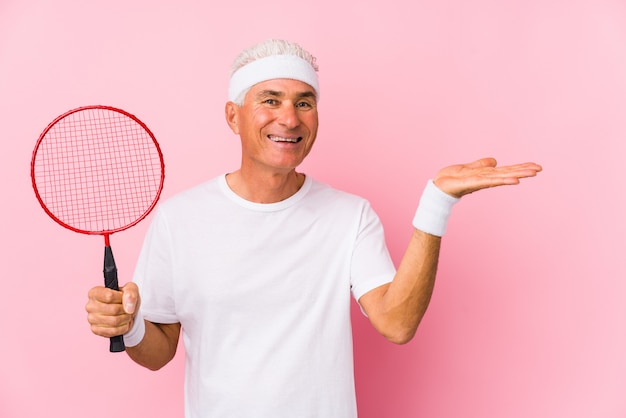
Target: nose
288, 115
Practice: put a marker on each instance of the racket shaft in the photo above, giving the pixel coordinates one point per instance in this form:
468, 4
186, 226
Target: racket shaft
110, 281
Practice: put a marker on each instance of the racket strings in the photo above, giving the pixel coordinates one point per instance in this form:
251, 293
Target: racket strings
98, 170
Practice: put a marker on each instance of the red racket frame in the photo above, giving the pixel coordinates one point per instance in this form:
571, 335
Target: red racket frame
105, 233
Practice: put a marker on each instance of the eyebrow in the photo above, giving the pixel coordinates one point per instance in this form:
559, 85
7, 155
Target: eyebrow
275, 93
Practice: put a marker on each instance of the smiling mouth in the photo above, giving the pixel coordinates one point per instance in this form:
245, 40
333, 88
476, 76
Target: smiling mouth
283, 139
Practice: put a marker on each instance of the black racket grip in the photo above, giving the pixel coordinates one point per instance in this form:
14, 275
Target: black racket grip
110, 280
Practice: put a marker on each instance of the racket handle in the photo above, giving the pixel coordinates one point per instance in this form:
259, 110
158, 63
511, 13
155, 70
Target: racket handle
110, 280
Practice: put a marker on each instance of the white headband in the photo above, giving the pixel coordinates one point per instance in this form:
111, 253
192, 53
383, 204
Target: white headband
269, 68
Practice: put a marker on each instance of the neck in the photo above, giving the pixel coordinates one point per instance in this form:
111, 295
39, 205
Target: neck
265, 189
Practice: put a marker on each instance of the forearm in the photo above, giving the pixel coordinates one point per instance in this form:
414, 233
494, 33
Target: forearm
157, 347
397, 309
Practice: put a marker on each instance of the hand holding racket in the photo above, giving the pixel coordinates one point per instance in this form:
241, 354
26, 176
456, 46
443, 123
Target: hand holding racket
98, 170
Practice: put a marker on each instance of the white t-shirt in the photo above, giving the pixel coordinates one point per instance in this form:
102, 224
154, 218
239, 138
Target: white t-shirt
262, 292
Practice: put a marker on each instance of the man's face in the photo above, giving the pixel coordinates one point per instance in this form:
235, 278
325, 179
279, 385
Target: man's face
277, 124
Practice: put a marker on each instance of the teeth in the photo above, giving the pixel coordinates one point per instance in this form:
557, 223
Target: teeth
281, 139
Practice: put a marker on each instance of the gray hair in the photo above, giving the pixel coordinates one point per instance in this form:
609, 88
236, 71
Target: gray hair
269, 48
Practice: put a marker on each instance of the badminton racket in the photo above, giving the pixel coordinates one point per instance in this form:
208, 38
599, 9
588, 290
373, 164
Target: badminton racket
98, 170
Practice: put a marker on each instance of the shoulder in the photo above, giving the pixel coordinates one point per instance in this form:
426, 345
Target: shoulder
195, 192
192, 198
342, 206
332, 195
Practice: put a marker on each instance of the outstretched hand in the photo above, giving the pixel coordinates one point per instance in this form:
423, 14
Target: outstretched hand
461, 179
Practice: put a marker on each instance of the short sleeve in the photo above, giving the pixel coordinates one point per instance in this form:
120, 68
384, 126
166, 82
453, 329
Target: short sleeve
371, 264
154, 273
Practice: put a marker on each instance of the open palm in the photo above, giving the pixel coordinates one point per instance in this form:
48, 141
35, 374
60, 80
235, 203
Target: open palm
461, 179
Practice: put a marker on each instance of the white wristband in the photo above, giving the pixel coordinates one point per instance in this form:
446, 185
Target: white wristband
136, 332
434, 210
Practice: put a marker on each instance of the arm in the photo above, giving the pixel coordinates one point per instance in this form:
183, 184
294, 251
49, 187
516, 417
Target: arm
157, 347
113, 313
396, 309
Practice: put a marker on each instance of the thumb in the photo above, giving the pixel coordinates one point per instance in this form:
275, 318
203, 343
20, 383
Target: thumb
130, 298
483, 162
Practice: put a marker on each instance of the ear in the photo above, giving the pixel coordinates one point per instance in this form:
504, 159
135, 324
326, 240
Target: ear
232, 116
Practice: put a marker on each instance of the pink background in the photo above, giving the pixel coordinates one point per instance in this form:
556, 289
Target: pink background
528, 317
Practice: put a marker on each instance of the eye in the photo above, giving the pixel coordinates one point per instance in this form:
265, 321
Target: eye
304, 105
271, 102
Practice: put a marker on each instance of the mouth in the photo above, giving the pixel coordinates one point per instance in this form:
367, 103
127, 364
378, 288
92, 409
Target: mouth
274, 138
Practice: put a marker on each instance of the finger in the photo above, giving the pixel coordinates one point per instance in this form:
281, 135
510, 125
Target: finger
483, 162
104, 320
516, 172
105, 330
528, 165
130, 297
105, 295
108, 320
110, 309
522, 167
104, 301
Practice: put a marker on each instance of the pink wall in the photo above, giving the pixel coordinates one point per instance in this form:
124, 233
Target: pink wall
527, 319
